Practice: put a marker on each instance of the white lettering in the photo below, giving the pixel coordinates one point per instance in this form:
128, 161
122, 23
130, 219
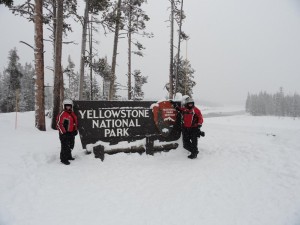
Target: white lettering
137, 123
107, 113
90, 114
95, 114
103, 124
119, 132
106, 132
82, 113
125, 133
95, 123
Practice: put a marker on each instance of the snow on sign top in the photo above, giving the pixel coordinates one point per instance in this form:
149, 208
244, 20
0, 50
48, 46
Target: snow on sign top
115, 121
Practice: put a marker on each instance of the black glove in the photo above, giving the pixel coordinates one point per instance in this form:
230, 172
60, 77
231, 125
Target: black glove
173, 103
75, 132
199, 132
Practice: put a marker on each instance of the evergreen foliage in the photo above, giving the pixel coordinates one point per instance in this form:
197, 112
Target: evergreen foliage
17, 81
277, 104
71, 91
139, 81
103, 69
185, 77
27, 98
7, 3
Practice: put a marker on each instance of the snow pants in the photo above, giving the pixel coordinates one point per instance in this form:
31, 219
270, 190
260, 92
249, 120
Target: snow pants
67, 141
190, 139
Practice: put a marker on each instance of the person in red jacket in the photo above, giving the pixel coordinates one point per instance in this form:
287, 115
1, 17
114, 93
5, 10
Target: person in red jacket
66, 123
192, 120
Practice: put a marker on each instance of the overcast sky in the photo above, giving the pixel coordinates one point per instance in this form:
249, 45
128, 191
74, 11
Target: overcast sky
235, 46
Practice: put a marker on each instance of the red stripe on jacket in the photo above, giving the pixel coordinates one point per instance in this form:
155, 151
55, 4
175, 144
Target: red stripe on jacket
191, 117
70, 117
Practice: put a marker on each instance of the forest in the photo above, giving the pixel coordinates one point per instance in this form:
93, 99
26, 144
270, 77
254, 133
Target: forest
277, 104
23, 87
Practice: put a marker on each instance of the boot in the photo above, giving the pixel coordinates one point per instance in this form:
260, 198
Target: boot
71, 158
66, 162
193, 155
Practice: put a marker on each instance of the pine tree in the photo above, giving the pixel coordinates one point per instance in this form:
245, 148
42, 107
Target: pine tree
71, 91
186, 81
40, 122
277, 104
11, 83
135, 19
27, 88
103, 69
171, 66
118, 27
139, 81
57, 95
7, 3
179, 17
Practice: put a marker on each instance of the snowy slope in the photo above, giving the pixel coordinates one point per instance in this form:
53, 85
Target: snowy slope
247, 173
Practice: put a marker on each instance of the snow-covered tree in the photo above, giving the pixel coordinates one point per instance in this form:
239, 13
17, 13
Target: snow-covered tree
185, 77
71, 87
6, 2
139, 81
277, 104
27, 101
103, 69
11, 82
135, 19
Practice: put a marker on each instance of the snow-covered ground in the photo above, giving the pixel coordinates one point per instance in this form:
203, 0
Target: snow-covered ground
247, 173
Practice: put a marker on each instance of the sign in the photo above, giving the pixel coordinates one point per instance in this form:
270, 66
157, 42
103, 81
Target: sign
115, 121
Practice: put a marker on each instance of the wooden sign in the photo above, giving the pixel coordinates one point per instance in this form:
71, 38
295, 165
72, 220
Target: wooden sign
115, 121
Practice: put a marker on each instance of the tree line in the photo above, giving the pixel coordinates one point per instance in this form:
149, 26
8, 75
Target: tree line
17, 85
124, 19
277, 104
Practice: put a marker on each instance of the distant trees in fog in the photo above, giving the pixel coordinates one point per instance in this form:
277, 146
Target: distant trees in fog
277, 104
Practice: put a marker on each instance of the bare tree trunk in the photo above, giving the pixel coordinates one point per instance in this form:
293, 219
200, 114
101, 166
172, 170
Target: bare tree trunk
171, 51
186, 69
178, 49
61, 89
54, 30
39, 67
129, 52
83, 48
57, 65
115, 50
91, 58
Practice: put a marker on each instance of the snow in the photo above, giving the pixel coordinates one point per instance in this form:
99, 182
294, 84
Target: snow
247, 173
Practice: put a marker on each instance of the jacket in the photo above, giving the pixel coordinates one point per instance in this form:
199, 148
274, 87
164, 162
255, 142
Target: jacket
191, 117
66, 122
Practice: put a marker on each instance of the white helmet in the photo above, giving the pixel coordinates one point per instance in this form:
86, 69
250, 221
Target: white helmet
67, 102
188, 101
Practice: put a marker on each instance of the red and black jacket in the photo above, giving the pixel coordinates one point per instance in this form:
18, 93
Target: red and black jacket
66, 122
191, 117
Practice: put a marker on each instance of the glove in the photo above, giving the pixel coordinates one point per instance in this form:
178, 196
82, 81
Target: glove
173, 103
199, 132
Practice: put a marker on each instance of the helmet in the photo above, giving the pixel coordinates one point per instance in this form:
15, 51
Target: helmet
67, 102
188, 101
184, 98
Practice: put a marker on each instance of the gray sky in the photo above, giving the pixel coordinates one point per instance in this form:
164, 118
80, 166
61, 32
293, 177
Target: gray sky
235, 46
